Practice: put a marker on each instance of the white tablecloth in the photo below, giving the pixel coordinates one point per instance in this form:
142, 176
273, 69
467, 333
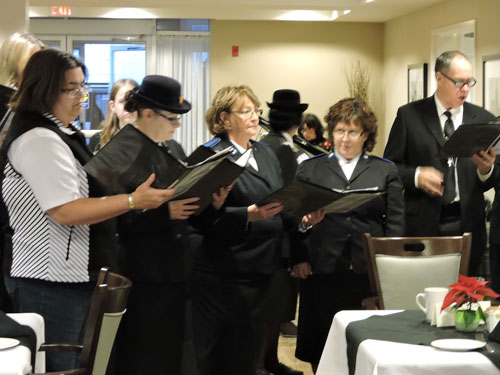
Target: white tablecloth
389, 358
17, 360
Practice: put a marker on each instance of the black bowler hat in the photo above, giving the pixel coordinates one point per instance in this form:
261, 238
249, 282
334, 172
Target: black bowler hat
162, 93
286, 99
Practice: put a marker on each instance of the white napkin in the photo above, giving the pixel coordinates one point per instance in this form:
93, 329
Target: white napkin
446, 318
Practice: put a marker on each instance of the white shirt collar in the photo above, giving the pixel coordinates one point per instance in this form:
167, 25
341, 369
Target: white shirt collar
246, 156
343, 161
456, 113
288, 137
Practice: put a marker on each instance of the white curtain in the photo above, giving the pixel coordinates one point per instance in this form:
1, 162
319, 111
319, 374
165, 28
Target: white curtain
186, 58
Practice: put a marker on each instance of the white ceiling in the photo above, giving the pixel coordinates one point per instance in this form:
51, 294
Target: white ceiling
360, 10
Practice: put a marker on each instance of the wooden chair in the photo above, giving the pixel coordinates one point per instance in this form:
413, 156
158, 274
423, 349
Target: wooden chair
401, 267
106, 310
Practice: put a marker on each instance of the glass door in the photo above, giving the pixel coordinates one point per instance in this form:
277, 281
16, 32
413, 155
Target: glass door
107, 59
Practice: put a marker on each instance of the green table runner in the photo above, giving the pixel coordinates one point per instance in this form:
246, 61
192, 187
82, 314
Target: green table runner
408, 327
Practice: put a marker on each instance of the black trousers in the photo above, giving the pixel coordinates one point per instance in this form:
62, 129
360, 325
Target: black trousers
226, 323
150, 338
495, 267
321, 297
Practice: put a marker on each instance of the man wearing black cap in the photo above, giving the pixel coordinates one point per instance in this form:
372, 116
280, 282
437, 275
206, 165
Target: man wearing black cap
285, 117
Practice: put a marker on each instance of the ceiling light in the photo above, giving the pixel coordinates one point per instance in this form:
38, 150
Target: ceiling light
128, 13
368, 1
335, 15
347, 11
304, 15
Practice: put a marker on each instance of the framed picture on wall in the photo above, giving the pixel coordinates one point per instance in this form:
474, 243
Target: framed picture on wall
491, 83
417, 82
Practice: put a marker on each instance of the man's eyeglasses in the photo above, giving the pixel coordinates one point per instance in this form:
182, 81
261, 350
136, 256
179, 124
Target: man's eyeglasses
247, 113
74, 93
353, 134
171, 118
471, 82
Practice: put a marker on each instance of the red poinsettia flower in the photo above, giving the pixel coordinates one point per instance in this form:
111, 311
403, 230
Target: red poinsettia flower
467, 290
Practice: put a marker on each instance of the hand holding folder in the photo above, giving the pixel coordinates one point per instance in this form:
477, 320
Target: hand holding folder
470, 139
130, 157
300, 198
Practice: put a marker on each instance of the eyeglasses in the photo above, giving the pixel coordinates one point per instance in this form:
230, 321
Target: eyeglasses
80, 91
353, 134
172, 118
471, 82
247, 113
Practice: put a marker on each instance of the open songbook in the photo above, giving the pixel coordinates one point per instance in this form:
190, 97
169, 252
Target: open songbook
471, 138
300, 197
130, 157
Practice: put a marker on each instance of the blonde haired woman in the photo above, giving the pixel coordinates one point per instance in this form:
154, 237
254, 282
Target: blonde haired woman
241, 248
14, 54
117, 116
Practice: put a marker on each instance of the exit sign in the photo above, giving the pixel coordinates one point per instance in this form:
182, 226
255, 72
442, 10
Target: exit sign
60, 11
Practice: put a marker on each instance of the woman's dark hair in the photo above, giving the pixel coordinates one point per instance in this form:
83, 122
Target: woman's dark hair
134, 104
351, 109
43, 79
313, 122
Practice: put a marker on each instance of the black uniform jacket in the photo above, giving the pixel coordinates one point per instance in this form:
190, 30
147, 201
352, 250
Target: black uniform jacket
153, 248
415, 139
287, 157
230, 245
336, 242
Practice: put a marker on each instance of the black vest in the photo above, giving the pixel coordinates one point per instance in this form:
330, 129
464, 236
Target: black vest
103, 247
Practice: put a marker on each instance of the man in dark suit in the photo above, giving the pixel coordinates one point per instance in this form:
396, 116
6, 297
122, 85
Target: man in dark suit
443, 197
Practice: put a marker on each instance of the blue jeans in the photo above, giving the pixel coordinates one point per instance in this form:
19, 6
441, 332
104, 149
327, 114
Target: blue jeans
64, 307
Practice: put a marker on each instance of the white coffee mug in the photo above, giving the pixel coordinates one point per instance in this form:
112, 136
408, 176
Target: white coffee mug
493, 319
431, 297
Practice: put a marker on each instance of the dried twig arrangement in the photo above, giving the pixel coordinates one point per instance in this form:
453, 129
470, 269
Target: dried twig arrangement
358, 79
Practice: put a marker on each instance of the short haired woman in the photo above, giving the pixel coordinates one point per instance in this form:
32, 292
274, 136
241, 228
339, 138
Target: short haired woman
334, 277
59, 234
240, 248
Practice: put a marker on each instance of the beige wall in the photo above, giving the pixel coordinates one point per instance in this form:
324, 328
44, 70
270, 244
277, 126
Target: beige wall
306, 56
13, 18
408, 41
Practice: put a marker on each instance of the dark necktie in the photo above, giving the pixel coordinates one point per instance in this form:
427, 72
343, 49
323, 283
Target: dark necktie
450, 190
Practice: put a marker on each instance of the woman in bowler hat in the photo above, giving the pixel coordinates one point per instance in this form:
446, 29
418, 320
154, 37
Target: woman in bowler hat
280, 301
155, 249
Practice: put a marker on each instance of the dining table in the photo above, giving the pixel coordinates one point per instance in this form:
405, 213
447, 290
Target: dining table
359, 343
18, 360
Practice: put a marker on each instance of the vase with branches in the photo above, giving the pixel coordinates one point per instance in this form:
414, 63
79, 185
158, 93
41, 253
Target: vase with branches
358, 79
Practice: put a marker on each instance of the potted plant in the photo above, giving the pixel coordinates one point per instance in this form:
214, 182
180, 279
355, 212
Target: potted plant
465, 294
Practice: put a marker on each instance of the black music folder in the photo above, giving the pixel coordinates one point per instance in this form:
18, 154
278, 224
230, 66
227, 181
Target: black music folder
130, 157
300, 198
469, 139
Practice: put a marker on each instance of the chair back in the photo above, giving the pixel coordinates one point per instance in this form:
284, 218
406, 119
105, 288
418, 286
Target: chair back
106, 310
401, 267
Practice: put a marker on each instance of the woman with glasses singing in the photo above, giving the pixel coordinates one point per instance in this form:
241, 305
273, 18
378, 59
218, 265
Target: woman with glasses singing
155, 252
334, 277
240, 250
59, 234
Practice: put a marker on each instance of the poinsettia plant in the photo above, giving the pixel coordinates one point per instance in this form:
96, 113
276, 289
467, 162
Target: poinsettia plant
467, 290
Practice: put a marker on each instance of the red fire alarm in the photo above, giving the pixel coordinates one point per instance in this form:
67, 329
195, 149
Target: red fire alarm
236, 51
